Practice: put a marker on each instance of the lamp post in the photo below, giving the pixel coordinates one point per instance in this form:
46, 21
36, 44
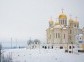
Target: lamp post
67, 48
61, 35
72, 46
11, 43
0, 51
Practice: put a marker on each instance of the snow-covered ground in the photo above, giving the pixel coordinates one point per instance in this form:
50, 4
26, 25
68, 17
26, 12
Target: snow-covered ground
43, 55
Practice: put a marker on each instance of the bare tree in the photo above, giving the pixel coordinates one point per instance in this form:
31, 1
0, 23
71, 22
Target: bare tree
29, 42
6, 59
2, 57
36, 41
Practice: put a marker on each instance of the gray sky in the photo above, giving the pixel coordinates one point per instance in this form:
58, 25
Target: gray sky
22, 19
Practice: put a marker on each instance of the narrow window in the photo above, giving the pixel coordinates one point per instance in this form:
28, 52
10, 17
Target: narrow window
64, 36
50, 36
63, 21
69, 47
70, 31
75, 25
70, 37
56, 35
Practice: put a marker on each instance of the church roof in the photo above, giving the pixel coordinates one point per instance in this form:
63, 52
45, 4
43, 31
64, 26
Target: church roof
57, 26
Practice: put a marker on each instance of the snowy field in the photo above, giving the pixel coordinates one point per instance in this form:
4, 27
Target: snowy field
43, 55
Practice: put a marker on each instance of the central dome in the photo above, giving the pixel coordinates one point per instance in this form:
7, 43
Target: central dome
62, 16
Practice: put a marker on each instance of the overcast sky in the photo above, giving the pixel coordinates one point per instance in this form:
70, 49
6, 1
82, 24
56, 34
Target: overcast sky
22, 19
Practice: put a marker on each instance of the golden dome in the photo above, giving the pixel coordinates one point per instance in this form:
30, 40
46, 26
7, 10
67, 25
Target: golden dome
57, 23
62, 16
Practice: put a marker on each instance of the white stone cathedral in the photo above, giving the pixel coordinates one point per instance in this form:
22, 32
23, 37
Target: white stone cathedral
64, 31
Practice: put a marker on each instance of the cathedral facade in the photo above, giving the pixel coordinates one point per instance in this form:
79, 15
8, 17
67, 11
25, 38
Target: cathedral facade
64, 31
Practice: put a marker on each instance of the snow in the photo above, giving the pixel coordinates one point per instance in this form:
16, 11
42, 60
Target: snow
43, 55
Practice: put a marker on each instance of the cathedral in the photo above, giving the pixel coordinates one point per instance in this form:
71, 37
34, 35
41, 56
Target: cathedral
64, 31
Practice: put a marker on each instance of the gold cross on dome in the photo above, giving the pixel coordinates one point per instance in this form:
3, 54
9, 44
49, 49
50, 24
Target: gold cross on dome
62, 10
76, 17
51, 18
70, 16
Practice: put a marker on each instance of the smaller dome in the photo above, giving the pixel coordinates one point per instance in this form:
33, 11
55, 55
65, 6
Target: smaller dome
57, 23
51, 28
70, 20
51, 21
75, 21
62, 16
